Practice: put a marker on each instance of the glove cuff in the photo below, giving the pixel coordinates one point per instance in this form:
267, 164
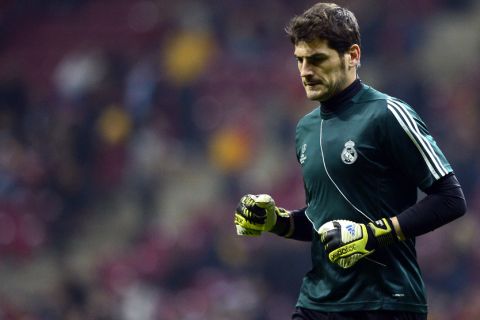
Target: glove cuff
383, 232
284, 226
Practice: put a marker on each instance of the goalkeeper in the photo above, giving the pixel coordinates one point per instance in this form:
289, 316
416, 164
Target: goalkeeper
363, 154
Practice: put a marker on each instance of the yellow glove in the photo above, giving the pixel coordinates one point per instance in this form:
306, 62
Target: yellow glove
347, 242
257, 213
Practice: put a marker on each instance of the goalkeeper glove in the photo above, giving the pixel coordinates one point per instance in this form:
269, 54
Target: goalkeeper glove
257, 213
347, 242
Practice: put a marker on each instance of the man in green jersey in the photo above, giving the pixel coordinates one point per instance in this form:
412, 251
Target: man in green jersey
363, 155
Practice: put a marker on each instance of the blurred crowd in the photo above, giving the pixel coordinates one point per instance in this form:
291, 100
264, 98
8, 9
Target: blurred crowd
129, 129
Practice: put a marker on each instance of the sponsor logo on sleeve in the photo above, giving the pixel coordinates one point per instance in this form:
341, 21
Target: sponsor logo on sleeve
303, 156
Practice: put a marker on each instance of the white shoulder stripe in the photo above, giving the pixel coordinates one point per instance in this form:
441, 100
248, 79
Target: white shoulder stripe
421, 139
410, 127
427, 161
424, 141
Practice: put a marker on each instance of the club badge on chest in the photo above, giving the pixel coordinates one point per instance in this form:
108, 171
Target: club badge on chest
349, 154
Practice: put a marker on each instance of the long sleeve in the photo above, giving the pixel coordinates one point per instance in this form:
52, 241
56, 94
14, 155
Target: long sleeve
296, 226
444, 202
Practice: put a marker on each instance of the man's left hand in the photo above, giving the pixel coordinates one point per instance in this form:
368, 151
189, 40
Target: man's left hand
346, 242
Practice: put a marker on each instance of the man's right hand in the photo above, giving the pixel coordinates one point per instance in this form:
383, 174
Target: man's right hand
255, 214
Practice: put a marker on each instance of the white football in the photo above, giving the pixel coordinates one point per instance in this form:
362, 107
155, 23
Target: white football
330, 225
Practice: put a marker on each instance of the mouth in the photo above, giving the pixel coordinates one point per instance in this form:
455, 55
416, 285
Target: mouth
312, 83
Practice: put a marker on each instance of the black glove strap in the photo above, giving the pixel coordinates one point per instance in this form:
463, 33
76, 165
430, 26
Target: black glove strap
282, 227
385, 239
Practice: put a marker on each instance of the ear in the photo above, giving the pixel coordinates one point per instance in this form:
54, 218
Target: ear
353, 56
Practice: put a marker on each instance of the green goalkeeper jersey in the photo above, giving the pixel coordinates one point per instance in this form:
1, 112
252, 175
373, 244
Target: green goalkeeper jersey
362, 162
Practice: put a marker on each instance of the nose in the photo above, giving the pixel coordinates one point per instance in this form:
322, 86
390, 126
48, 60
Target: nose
305, 69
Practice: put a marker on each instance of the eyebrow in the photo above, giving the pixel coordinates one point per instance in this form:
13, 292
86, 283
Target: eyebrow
313, 56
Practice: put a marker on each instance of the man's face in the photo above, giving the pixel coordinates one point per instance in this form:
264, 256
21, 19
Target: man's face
324, 72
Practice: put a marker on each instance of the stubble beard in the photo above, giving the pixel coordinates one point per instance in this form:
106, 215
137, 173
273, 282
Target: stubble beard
331, 89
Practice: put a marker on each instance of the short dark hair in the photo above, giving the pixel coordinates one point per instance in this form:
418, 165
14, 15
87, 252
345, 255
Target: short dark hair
326, 21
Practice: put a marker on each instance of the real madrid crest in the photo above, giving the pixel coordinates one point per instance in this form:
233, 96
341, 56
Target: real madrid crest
349, 154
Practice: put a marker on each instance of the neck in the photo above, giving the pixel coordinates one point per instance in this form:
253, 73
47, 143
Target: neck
341, 97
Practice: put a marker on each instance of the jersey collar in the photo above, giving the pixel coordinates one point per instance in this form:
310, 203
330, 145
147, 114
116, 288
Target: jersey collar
340, 101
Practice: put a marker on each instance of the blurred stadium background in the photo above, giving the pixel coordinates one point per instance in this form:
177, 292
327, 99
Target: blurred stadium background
129, 129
